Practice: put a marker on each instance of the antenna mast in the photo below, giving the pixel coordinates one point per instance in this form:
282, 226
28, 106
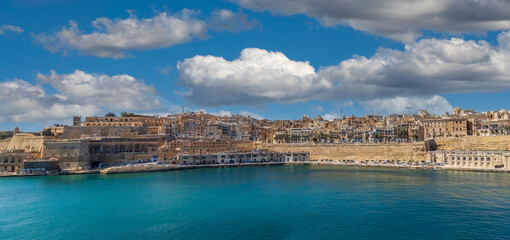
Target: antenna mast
409, 110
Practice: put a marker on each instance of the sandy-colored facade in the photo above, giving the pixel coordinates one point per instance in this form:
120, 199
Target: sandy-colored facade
12, 161
453, 127
472, 159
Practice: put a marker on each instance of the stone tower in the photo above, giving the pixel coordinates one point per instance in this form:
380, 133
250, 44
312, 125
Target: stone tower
76, 120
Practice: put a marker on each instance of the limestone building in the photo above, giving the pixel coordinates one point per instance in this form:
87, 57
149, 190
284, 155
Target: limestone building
472, 159
450, 127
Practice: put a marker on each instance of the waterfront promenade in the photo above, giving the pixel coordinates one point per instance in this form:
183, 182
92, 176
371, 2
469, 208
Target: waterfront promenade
168, 167
155, 167
171, 167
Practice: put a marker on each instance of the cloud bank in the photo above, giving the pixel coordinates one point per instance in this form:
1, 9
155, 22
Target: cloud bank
401, 20
415, 76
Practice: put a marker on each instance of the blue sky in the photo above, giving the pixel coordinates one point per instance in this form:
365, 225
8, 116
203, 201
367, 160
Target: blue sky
264, 58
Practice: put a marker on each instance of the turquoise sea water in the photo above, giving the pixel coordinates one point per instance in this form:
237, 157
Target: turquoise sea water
278, 202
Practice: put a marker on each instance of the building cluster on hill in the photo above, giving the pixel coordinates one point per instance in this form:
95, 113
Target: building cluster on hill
392, 128
111, 140
347, 129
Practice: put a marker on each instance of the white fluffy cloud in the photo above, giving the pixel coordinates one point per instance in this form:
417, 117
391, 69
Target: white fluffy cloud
257, 76
433, 104
24, 102
10, 28
116, 92
426, 68
402, 20
113, 37
332, 116
78, 93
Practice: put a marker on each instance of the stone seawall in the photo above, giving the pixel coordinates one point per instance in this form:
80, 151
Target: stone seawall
158, 168
474, 143
356, 152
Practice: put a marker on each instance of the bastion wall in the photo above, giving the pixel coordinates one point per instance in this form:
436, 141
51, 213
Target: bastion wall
474, 143
4, 144
27, 142
71, 154
357, 152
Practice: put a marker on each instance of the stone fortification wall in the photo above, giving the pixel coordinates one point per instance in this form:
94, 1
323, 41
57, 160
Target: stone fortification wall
71, 154
474, 143
76, 132
27, 142
356, 152
4, 144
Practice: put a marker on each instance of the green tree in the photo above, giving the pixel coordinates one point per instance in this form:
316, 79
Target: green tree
401, 134
5, 135
110, 114
126, 114
47, 133
349, 137
415, 137
323, 137
378, 136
